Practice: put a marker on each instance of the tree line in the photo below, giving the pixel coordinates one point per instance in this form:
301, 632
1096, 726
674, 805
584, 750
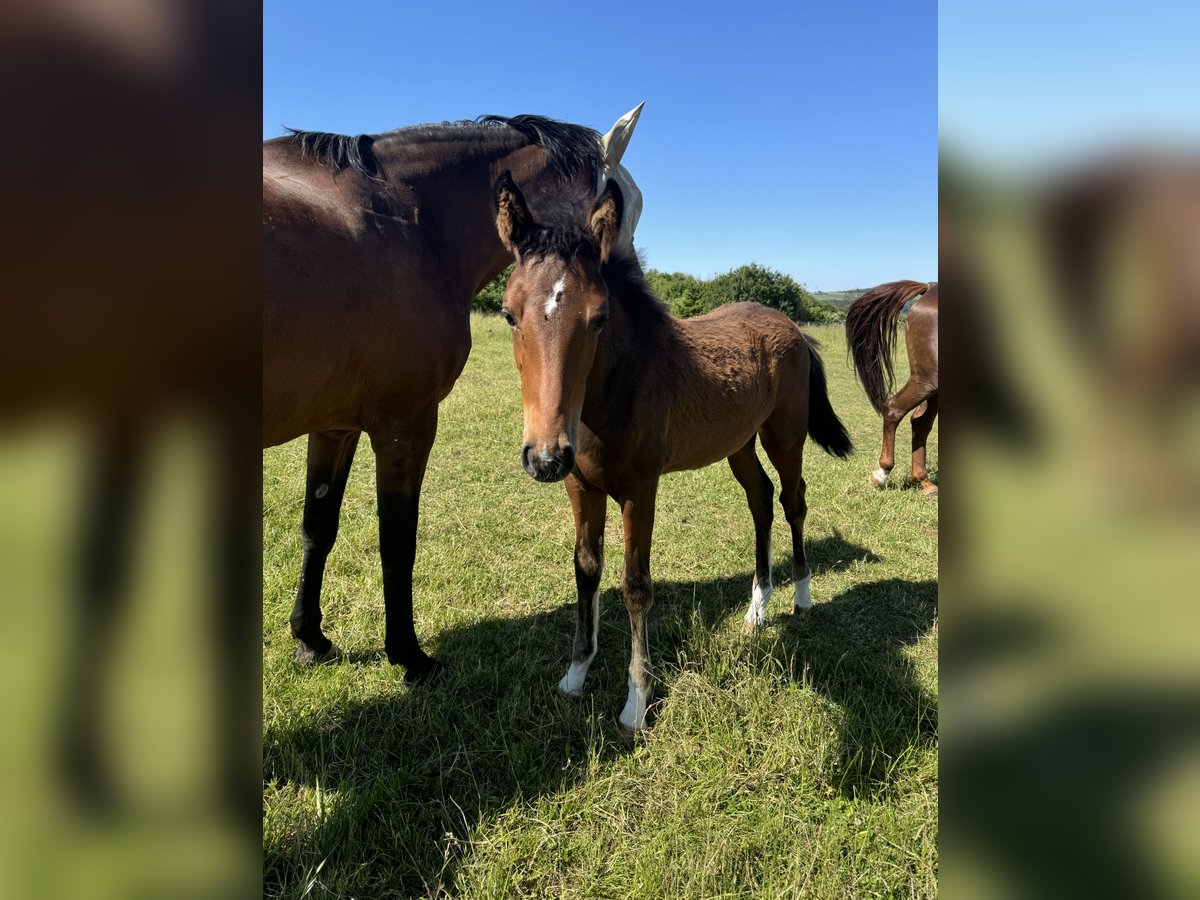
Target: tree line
687, 295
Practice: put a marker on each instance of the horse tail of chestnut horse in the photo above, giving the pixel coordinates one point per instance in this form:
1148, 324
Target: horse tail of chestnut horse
871, 334
823, 423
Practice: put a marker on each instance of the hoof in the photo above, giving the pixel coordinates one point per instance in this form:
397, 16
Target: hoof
751, 623
306, 656
929, 489
801, 611
421, 671
629, 734
879, 478
569, 690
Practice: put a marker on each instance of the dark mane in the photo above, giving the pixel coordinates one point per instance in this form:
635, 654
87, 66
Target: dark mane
627, 285
569, 148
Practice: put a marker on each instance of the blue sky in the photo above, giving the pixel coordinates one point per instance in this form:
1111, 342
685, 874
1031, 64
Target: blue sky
1026, 83
801, 136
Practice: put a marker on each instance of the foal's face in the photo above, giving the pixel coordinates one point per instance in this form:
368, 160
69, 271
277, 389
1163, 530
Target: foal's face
556, 308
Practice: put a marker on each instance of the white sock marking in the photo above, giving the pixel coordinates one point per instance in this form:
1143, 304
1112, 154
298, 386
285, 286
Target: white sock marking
633, 716
879, 476
756, 615
553, 300
803, 598
572, 683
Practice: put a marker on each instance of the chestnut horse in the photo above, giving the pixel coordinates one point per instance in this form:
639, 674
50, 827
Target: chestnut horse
871, 324
616, 393
373, 248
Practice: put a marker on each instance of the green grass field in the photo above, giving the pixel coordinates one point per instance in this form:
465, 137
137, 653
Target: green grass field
800, 761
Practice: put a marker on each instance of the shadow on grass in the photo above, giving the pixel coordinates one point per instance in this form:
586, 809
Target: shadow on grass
404, 779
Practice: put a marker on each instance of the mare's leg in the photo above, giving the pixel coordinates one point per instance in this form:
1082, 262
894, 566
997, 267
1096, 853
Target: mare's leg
637, 514
759, 492
922, 424
103, 556
401, 447
894, 411
329, 459
589, 507
783, 440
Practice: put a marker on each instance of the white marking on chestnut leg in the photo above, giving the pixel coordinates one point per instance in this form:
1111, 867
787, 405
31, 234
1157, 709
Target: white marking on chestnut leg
322, 491
803, 599
572, 682
633, 716
552, 302
880, 477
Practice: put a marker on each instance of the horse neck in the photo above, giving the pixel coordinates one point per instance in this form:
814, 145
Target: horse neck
451, 181
632, 352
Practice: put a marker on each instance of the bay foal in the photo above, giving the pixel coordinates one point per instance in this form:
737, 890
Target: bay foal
616, 392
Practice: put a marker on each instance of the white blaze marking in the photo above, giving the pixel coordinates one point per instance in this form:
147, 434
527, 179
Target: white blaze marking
322, 491
552, 300
572, 682
756, 615
633, 716
803, 598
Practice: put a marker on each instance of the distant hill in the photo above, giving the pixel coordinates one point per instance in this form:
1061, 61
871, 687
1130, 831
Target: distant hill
839, 299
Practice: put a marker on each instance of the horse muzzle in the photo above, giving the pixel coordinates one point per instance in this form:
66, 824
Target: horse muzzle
548, 466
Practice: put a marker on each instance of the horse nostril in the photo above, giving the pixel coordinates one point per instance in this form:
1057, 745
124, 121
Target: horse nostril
525, 462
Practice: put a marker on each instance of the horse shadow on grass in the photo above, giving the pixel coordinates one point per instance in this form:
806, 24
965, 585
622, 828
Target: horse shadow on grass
401, 781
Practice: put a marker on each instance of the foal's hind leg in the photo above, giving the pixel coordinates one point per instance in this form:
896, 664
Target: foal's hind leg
329, 459
784, 443
922, 424
589, 507
754, 481
894, 411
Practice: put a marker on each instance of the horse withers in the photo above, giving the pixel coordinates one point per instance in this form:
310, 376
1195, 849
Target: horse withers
871, 324
616, 392
373, 248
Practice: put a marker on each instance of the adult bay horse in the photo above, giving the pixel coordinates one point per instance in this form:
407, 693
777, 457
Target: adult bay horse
373, 247
616, 393
871, 323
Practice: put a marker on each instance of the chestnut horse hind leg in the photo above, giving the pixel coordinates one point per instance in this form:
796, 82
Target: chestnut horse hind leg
922, 424
759, 493
637, 514
329, 460
590, 507
401, 444
897, 407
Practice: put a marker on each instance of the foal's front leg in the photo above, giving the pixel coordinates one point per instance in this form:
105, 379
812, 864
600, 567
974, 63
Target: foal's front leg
589, 507
637, 513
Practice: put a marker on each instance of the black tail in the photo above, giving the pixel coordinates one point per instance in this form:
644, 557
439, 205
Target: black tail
823, 423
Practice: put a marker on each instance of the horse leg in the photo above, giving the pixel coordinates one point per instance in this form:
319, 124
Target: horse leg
894, 411
637, 515
922, 424
329, 459
401, 447
785, 449
759, 492
589, 507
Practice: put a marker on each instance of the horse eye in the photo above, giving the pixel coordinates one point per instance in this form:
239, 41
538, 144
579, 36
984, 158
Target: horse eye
508, 317
599, 322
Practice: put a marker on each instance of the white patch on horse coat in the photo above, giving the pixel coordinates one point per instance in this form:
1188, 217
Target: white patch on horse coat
756, 615
322, 491
572, 682
553, 300
803, 598
880, 477
633, 716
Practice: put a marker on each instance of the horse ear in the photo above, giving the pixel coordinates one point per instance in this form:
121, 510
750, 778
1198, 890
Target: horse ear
604, 221
513, 221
